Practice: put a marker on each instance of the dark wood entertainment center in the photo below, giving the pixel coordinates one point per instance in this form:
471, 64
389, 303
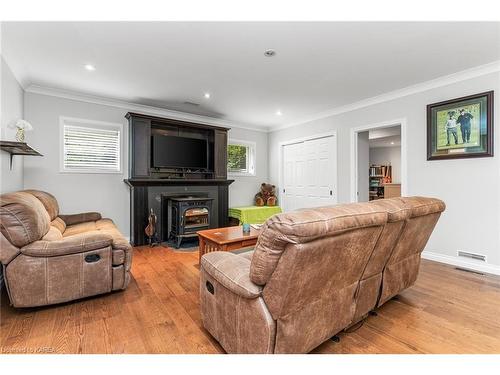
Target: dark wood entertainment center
150, 185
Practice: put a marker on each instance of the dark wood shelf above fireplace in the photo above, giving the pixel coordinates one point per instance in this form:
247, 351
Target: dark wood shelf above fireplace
143, 129
176, 181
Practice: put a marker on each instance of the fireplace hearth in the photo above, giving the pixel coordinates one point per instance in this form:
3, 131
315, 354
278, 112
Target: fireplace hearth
189, 215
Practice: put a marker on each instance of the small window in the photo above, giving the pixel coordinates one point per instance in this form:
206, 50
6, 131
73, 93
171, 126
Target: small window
241, 158
90, 146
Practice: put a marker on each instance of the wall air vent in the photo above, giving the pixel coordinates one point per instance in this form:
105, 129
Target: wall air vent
466, 254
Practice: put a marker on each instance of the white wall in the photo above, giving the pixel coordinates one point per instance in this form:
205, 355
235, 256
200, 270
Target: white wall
388, 155
243, 189
470, 187
106, 193
12, 104
363, 165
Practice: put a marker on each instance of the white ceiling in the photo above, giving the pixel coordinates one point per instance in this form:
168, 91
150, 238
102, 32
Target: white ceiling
318, 66
385, 137
389, 131
391, 141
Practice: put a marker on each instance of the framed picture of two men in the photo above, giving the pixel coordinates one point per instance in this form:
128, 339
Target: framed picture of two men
460, 128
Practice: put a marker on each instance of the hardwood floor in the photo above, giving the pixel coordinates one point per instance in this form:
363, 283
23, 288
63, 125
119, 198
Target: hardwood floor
447, 311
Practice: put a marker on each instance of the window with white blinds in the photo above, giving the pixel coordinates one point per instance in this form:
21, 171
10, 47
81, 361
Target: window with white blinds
90, 146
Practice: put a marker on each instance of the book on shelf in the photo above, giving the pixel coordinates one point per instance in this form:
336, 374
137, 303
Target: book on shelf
378, 176
380, 171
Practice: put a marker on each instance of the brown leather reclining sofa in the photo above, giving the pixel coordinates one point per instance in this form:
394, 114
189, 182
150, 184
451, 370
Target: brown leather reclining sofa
50, 258
313, 273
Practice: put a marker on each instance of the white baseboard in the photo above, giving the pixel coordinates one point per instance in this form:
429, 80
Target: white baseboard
463, 263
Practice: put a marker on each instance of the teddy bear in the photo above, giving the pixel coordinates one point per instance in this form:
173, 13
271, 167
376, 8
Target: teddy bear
266, 195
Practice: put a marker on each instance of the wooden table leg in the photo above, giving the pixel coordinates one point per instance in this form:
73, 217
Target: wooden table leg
201, 248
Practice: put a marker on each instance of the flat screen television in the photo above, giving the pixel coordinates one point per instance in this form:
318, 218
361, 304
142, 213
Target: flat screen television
179, 152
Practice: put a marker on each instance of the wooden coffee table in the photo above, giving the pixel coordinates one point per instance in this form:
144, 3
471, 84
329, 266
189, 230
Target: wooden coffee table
226, 239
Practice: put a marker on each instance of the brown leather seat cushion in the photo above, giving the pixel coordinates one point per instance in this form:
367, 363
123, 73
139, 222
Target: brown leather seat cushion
71, 230
103, 225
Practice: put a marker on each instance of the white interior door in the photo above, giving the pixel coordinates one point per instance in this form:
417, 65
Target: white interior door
293, 176
309, 173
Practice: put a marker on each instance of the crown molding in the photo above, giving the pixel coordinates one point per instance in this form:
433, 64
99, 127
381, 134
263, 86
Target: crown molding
464, 75
391, 95
134, 107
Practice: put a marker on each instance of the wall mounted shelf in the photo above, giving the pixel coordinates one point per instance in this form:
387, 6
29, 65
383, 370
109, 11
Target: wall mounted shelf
17, 148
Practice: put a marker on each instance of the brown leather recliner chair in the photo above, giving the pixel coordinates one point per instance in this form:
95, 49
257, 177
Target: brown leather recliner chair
50, 258
313, 273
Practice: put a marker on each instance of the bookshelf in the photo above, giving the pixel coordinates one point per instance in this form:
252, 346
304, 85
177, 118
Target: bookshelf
379, 175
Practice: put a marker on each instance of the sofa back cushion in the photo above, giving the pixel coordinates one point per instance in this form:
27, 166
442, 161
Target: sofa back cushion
23, 218
398, 212
402, 267
311, 268
48, 201
369, 287
7, 250
53, 234
59, 224
304, 226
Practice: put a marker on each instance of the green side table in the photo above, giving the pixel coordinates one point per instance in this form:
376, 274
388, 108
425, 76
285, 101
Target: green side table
253, 214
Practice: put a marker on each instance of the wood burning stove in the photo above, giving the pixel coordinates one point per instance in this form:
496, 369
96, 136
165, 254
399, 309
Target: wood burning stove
189, 215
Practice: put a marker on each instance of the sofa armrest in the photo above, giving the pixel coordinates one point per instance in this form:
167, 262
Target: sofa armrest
80, 218
79, 243
232, 271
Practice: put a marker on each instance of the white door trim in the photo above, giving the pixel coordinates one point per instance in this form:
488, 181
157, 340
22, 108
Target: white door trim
354, 154
303, 139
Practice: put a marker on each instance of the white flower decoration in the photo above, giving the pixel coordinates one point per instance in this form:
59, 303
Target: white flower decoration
21, 124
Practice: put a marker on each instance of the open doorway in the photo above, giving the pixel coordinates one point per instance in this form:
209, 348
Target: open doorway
385, 163
378, 168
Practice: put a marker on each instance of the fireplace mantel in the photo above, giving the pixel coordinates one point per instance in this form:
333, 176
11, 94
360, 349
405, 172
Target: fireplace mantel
132, 182
148, 184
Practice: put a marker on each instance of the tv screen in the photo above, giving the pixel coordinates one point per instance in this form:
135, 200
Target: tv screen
179, 152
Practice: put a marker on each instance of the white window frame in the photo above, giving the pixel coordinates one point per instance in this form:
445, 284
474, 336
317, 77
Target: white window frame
63, 120
251, 158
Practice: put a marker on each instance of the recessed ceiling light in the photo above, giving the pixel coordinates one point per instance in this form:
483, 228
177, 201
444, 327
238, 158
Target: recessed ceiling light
269, 53
392, 143
278, 113
89, 67
207, 95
